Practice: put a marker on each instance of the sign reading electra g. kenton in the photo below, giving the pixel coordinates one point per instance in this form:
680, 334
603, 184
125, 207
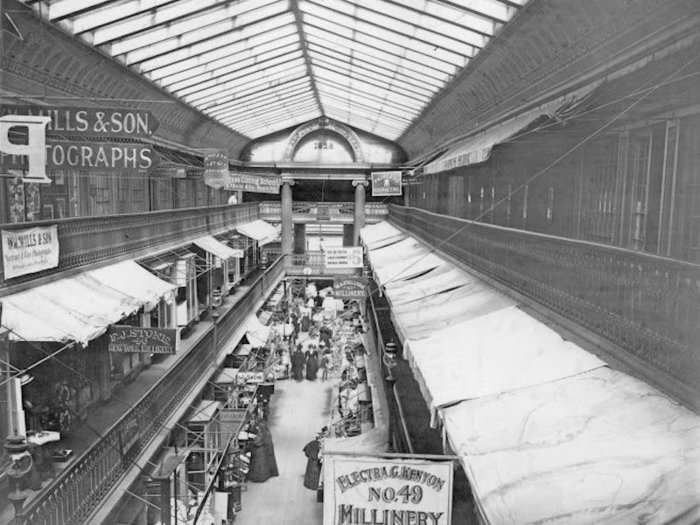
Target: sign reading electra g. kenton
124, 338
362, 490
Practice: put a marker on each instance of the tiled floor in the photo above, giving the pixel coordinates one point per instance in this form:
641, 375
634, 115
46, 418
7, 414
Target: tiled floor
298, 411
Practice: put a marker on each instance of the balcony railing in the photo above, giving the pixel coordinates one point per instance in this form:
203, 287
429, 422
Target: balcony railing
323, 211
88, 240
79, 490
648, 306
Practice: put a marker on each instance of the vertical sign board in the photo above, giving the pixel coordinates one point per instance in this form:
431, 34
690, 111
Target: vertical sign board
30, 250
364, 490
386, 183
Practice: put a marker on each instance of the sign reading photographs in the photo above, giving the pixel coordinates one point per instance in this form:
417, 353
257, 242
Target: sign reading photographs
386, 183
124, 338
29, 251
347, 257
360, 490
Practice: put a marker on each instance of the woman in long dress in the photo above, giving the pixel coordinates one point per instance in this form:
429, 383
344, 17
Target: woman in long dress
298, 364
312, 366
263, 464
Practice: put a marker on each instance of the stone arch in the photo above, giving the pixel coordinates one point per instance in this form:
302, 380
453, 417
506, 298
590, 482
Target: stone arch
323, 123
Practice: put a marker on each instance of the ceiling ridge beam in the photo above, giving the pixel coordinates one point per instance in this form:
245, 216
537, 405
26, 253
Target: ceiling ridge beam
294, 5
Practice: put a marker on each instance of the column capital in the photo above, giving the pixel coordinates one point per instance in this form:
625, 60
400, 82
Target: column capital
358, 182
288, 180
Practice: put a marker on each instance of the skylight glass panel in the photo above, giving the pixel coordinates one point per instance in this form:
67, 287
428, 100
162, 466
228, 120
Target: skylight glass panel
257, 86
240, 74
290, 99
65, 7
272, 113
221, 55
243, 96
240, 35
108, 13
491, 8
237, 101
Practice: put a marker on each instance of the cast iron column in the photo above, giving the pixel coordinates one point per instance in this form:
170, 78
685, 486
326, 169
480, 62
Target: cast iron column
287, 221
359, 210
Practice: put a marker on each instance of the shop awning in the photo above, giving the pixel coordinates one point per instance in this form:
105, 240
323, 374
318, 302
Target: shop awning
260, 230
381, 234
419, 319
494, 353
81, 308
205, 411
600, 447
407, 267
477, 148
218, 248
439, 280
256, 332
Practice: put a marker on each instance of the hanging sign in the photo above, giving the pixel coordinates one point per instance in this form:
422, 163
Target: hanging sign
215, 168
386, 183
363, 490
253, 182
99, 122
32, 148
346, 257
29, 251
354, 288
124, 338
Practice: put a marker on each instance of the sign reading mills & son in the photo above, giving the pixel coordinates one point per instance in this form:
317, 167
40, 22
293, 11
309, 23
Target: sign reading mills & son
363, 490
124, 338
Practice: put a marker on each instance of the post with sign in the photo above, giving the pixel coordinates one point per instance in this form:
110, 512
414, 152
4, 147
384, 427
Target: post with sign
388, 489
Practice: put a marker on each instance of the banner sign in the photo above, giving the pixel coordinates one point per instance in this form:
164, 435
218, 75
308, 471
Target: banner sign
350, 288
385, 183
124, 338
253, 182
361, 490
29, 251
347, 257
102, 156
215, 167
127, 123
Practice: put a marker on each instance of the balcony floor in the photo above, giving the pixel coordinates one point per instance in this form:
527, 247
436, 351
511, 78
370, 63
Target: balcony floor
297, 412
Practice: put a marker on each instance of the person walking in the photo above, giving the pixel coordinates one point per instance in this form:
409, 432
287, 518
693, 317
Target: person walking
312, 366
263, 464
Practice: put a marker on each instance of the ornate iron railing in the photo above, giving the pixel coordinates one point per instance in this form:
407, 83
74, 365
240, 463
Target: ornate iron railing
88, 240
79, 490
647, 305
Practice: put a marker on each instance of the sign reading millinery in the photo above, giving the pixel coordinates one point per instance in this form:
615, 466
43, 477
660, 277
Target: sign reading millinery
350, 288
360, 490
385, 183
29, 251
124, 338
253, 182
100, 122
347, 257
101, 156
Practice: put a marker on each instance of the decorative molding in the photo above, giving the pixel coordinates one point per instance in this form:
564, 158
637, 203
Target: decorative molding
323, 123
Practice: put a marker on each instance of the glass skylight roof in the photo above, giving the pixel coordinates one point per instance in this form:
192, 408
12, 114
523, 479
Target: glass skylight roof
259, 66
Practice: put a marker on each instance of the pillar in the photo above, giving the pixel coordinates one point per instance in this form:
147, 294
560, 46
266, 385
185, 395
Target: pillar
359, 210
300, 238
287, 220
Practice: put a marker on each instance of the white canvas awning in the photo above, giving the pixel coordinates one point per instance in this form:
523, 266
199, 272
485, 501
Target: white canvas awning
260, 230
494, 353
256, 332
218, 248
381, 234
600, 447
81, 308
419, 319
440, 279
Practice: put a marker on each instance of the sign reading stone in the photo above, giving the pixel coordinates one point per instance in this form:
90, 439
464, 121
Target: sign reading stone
253, 182
29, 251
137, 339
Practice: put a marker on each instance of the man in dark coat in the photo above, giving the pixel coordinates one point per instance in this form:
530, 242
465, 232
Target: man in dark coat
263, 464
313, 464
